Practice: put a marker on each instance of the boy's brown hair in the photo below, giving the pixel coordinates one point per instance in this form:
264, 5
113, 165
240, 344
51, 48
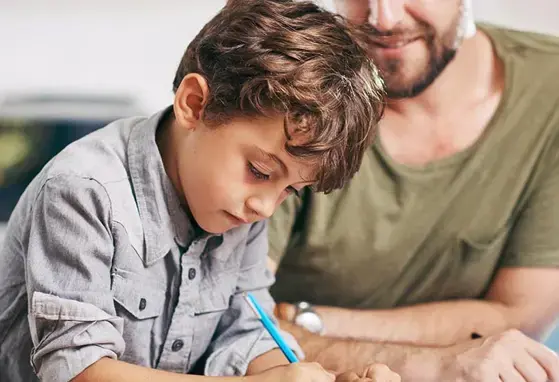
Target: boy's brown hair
270, 57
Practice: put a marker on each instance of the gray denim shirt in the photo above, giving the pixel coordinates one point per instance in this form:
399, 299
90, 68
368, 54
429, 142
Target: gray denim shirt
100, 260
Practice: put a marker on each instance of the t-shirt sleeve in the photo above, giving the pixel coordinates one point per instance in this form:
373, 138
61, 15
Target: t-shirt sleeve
281, 225
534, 238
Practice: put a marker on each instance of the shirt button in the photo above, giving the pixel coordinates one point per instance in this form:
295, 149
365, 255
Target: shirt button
143, 303
191, 273
177, 345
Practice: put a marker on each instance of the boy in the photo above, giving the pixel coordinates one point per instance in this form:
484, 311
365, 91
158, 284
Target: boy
132, 249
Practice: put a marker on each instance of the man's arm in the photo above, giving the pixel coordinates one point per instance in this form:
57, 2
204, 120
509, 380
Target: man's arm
434, 324
485, 359
519, 298
342, 355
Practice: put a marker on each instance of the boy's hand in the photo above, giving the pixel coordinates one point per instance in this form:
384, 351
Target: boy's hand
373, 373
295, 372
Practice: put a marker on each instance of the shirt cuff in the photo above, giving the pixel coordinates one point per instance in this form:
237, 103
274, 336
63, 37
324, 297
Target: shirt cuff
233, 360
70, 336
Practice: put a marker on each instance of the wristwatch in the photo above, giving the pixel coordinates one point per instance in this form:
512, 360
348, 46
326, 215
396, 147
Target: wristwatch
307, 318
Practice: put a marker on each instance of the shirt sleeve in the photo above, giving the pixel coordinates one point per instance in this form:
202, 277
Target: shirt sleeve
72, 317
242, 337
281, 226
534, 238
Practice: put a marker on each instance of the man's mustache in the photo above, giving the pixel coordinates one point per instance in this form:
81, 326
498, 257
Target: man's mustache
372, 33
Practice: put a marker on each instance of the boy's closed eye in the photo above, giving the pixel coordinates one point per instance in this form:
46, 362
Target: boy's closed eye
263, 176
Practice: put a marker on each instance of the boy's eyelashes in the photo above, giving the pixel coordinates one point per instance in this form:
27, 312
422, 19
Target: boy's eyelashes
259, 175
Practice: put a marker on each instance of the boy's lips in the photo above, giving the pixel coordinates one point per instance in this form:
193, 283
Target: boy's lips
237, 219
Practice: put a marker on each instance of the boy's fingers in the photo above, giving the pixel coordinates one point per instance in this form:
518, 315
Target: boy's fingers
381, 373
348, 377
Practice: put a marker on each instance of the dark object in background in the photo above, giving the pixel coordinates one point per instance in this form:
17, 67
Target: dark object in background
34, 128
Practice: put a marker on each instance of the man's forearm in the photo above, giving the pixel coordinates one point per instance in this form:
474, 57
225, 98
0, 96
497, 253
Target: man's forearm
433, 324
341, 355
519, 298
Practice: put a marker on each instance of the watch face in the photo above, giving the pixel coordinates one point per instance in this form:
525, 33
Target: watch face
310, 321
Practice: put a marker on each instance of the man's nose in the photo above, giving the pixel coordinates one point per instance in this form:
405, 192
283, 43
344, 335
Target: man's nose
384, 15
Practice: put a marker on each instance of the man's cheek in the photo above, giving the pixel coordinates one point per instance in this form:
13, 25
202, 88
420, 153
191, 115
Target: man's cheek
355, 10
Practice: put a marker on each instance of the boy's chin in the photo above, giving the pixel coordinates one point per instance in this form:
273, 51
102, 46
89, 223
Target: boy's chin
214, 226
212, 229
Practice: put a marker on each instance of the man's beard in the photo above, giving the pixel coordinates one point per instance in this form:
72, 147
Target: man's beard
435, 66
441, 50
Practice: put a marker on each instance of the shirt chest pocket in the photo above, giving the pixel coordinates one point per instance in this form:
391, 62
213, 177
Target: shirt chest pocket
139, 301
141, 305
472, 265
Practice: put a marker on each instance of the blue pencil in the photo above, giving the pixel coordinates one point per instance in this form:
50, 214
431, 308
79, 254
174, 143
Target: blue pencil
271, 328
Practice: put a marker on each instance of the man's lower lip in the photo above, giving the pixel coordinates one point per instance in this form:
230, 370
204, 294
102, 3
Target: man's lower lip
394, 47
390, 50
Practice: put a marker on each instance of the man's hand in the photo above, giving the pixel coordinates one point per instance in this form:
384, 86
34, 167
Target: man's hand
507, 357
295, 372
373, 373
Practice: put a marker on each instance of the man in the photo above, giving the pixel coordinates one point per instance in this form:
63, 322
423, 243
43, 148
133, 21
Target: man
449, 231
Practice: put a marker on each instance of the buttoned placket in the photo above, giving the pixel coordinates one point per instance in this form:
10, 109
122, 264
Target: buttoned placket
178, 344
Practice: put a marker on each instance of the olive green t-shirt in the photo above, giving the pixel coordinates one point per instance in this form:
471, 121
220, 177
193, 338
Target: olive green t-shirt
400, 235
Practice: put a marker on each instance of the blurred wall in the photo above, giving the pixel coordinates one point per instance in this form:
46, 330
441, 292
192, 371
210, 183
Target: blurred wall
133, 46
102, 46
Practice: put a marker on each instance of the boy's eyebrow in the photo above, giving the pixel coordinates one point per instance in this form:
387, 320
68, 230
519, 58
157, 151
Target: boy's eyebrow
274, 158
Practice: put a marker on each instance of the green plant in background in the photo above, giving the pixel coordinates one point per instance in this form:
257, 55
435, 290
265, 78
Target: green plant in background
20, 149
14, 148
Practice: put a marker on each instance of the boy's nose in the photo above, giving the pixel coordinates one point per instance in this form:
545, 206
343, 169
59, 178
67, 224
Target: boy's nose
384, 15
262, 206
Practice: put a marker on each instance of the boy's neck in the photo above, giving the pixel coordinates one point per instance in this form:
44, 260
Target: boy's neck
164, 137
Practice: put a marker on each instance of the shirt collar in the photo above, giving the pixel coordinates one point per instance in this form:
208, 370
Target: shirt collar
164, 220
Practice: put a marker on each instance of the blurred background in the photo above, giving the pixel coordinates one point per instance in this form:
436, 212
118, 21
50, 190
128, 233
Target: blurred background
69, 67
132, 47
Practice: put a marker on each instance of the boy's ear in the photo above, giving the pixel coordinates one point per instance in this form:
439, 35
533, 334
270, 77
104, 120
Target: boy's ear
190, 99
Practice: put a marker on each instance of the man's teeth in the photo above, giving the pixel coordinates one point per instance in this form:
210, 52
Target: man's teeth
396, 44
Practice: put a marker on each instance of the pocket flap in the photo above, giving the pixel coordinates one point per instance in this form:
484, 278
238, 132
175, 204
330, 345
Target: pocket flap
216, 302
140, 300
475, 249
